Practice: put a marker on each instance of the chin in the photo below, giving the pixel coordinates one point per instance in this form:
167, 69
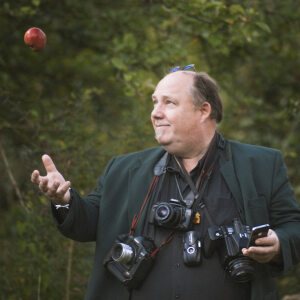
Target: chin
161, 140
168, 144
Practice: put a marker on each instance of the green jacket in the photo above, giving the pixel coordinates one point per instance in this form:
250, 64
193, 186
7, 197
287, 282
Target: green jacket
255, 175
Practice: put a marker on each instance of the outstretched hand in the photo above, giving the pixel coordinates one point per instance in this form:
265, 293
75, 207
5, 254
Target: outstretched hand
266, 249
53, 185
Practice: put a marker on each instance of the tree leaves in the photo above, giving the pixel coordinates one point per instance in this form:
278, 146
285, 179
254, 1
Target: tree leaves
87, 97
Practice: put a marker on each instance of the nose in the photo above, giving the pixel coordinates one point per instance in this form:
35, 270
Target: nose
157, 112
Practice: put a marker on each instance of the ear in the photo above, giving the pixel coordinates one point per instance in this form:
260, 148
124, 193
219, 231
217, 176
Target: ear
205, 109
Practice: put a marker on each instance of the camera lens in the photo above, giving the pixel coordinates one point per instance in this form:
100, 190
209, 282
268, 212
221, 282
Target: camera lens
190, 250
122, 253
162, 212
167, 215
241, 269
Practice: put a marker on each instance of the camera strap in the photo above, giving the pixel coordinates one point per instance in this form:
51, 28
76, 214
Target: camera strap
136, 218
169, 239
198, 205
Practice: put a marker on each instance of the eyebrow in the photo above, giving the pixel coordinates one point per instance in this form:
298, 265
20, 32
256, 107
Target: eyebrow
163, 97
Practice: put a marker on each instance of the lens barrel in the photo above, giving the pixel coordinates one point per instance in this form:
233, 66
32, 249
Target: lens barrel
167, 214
122, 253
241, 269
163, 212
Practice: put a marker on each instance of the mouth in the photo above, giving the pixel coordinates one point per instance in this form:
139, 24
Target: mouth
161, 125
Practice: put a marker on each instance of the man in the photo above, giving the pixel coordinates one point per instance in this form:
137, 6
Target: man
197, 173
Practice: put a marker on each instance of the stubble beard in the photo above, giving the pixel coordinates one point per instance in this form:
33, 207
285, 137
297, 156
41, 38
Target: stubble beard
165, 144
158, 134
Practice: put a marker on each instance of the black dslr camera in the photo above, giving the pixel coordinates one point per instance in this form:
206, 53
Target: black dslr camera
171, 215
130, 259
230, 240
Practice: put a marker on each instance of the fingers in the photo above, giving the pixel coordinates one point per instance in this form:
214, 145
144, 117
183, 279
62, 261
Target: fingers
43, 185
57, 192
62, 190
260, 254
267, 241
270, 240
62, 193
52, 190
53, 185
266, 249
35, 177
48, 163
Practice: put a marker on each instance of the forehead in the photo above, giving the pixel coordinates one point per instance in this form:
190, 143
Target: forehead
174, 84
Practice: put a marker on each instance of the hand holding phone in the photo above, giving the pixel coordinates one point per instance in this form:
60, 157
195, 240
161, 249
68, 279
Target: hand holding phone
258, 232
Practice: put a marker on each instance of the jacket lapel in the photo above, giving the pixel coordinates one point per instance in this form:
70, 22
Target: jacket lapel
140, 178
228, 171
229, 176
239, 178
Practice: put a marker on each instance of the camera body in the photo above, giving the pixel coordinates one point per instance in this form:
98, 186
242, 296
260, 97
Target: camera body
171, 215
192, 248
230, 240
130, 260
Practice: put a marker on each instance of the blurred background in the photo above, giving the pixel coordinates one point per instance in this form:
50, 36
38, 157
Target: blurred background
87, 98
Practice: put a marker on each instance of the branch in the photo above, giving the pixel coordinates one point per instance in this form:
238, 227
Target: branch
69, 268
39, 287
11, 177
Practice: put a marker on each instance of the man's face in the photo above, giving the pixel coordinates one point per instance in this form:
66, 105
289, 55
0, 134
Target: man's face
175, 119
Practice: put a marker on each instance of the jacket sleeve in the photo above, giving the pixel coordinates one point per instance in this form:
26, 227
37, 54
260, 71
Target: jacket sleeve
285, 215
81, 221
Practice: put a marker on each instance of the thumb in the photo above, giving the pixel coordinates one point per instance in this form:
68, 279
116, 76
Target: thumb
48, 163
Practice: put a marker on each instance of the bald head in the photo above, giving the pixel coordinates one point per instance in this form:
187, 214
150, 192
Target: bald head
177, 83
203, 88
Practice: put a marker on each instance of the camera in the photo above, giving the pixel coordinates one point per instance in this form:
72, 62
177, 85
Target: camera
130, 260
171, 214
230, 240
192, 248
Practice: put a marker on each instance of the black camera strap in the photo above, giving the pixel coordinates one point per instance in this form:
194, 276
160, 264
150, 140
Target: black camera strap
198, 204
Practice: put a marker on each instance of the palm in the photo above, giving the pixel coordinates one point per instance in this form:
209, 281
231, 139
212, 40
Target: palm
53, 184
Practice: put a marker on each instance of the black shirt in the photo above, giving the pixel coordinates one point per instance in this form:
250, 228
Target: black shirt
170, 278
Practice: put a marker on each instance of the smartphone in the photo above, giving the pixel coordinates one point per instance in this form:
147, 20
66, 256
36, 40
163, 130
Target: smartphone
258, 232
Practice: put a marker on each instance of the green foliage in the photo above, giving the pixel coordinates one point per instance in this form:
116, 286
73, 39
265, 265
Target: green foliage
87, 97
34, 257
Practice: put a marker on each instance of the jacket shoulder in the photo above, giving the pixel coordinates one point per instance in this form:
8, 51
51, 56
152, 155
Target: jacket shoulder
248, 150
146, 157
144, 154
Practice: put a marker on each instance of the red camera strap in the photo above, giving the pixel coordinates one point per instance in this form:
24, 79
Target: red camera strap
169, 239
136, 219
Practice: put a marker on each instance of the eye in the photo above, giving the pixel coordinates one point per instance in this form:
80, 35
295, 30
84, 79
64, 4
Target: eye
170, 102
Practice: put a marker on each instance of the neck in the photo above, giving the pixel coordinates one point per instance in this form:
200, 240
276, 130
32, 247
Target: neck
190, 162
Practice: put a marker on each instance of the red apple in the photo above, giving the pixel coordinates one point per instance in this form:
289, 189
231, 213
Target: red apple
35, 38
